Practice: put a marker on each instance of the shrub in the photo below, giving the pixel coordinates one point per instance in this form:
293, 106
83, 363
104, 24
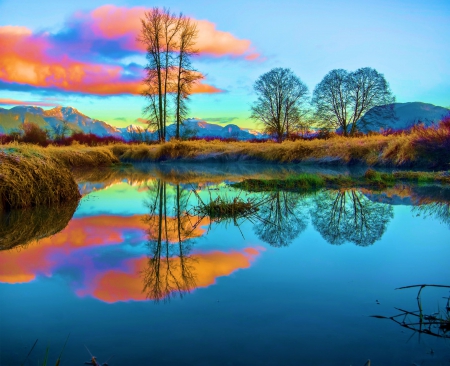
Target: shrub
33, 134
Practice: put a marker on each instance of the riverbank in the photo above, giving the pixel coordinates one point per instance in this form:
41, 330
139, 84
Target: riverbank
429, 149
425, 149
35, 176
29, 180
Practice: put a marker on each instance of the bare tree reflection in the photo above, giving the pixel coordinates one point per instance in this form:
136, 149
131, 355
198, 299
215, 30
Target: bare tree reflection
170, 269
348, 215
280, 219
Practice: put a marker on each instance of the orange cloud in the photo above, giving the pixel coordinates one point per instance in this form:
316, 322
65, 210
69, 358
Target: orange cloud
25, 59
116, 285
42, 257
217, 43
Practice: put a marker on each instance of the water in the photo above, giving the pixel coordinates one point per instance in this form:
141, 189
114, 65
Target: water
141, 274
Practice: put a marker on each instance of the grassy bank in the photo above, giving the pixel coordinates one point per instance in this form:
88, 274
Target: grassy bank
69, 156
422, 148
28, 180
35, 176
371, 179
428, 149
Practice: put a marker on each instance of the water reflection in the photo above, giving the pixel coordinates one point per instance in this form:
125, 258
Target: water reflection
348, 215
21, 227
420, 321
281, 218
170, 268
153, 255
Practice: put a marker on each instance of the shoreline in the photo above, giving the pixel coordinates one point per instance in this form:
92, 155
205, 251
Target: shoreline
36, 176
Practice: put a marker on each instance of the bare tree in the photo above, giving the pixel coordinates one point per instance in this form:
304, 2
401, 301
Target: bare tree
60, 130
281, 99
342, 98
187, 76
170, 41
158, 34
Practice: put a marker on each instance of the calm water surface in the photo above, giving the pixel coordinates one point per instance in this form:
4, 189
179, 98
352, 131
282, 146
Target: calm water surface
140, 273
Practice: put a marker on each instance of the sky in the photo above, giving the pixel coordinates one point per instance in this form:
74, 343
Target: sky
84, 54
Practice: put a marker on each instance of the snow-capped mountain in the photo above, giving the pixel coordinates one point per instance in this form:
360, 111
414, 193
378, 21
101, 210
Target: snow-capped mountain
200, 128
399, 116
11, 119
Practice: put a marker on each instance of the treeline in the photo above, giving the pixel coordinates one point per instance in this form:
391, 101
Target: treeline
339, 102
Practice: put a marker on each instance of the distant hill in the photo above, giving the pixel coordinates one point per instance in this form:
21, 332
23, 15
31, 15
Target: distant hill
12, 119
404, 116
200, 128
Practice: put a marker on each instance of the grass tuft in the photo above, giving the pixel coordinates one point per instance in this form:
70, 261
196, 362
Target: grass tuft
29, 180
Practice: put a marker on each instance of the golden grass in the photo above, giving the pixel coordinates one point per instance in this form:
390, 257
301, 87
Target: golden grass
393, 150
21, 227
31, 179
398, 150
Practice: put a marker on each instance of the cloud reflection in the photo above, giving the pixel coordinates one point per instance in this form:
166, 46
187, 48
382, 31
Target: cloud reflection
127, 285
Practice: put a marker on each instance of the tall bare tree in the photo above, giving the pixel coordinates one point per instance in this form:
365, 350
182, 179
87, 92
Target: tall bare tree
186, 74
342, 98
158, 34
281, 99
152, 37
169, 40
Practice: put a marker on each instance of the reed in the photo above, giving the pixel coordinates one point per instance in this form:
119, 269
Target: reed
29, 179
402, 150
371, 179
222, 208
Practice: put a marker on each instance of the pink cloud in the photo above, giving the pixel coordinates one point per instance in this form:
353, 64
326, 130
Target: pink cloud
124, 24
4, 101
126, 283
27, 59
67, 61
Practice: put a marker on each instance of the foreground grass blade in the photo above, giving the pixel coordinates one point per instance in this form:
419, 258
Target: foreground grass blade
31, 350
60, 355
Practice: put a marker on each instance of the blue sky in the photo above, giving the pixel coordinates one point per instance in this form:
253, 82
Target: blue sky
407, 41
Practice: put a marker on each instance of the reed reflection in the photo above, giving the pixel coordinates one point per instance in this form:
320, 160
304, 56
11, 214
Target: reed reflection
436, 323
348, 215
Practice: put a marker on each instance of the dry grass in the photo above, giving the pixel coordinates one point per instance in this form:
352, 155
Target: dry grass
422, 148
31, 179
403, 150
82, 156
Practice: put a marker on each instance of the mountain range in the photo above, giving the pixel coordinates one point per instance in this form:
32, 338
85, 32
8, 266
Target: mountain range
11, 120
404, 116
